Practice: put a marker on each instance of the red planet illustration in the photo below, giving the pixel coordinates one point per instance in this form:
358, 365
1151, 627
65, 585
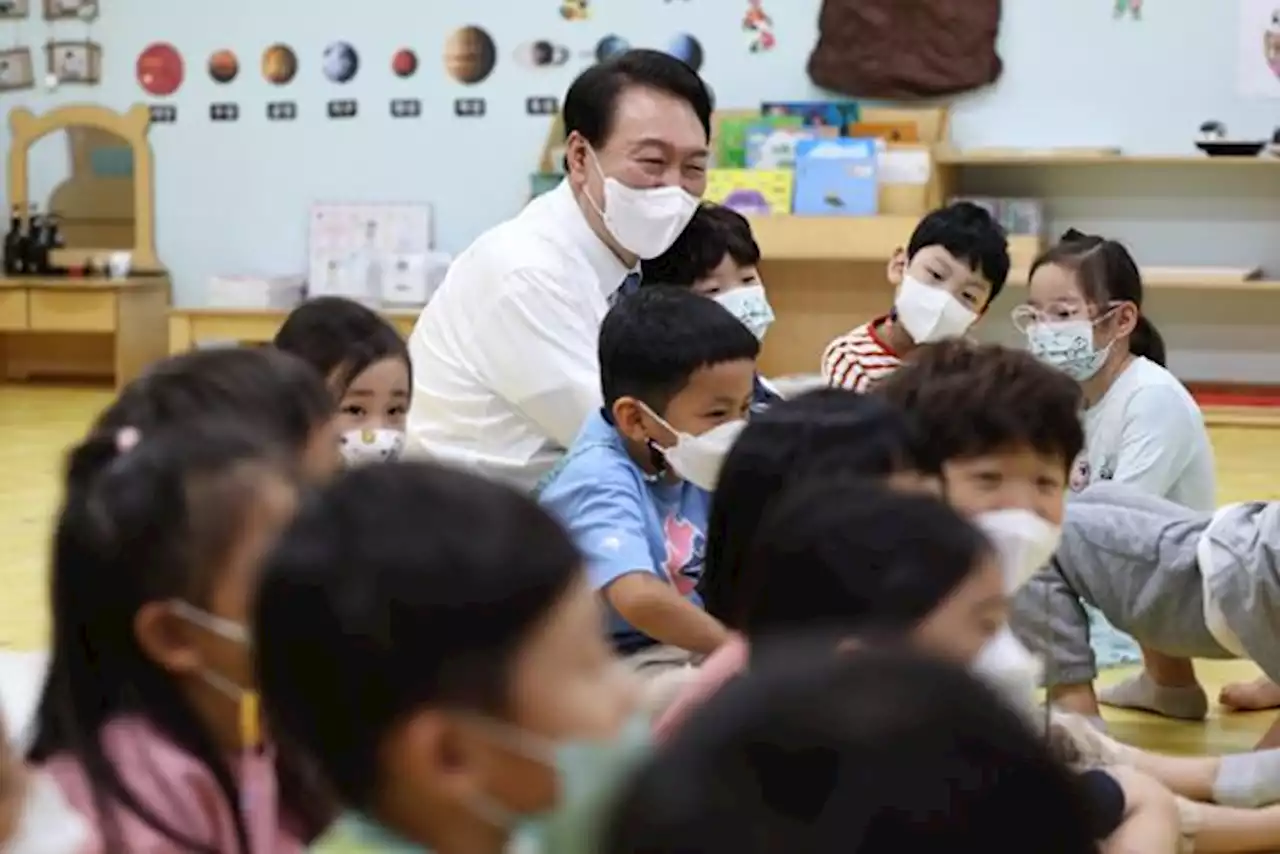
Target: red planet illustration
404, 63
160, 69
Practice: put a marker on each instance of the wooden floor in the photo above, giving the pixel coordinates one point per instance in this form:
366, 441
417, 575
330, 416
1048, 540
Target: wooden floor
38, 424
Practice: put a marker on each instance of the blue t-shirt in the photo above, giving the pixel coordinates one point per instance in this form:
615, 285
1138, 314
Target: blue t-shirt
625, 521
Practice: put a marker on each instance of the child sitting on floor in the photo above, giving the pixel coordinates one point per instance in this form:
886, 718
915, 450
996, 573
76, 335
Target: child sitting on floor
634, 489
953, 268
717, 256
365, 363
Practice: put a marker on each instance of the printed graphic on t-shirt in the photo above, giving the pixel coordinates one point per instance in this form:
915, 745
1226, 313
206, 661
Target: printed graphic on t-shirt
1079, 473
686, 552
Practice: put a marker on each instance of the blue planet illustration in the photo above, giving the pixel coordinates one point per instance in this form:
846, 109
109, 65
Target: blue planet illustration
687, 49
341, 62
611, 46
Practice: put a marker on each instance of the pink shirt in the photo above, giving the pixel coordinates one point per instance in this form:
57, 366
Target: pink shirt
181, 791
721, 666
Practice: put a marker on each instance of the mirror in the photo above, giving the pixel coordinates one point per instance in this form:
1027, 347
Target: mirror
91, 167
84, 176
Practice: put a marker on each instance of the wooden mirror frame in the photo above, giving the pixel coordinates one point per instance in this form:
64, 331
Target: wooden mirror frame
25, 128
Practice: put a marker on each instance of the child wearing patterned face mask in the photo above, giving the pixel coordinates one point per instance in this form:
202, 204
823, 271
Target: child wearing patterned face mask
953, 268
717, 256
634, 489
1142, 428
467, 699
149, 719
366, 364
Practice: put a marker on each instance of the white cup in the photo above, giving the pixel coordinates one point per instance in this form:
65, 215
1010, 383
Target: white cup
119, 264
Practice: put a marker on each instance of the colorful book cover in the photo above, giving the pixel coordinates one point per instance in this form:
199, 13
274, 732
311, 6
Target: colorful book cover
836, 114
731, 149
775, 148
751, 192
837, 177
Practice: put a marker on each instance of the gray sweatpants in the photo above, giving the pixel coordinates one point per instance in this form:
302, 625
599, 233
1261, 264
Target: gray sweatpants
1133, 557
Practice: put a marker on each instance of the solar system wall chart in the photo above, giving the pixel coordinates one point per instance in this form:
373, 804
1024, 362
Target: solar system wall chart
469, 58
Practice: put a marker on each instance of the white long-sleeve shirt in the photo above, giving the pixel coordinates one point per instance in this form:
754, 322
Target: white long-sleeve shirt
505, 367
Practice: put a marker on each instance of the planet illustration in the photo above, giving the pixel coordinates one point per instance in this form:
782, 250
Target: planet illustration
611, 46
470, 55
160, 69
223, 66
404, 63
341, 62
687, 49
542, 54
279, 64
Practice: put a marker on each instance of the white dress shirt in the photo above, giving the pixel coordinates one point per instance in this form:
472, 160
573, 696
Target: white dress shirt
505, 367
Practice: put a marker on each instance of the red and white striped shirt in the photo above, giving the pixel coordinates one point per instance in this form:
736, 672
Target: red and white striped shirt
859, 358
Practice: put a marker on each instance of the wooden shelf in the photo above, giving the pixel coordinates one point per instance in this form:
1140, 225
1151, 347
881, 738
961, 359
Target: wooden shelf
867, 239
1002, 158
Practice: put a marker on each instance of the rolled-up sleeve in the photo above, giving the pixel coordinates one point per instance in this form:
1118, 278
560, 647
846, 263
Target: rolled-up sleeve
543, 358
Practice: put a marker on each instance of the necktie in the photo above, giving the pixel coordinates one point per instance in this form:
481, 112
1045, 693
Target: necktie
629, 285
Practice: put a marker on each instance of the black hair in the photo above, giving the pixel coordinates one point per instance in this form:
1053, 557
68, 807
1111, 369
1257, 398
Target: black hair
847, 555
591, 103
878, 751
416, 586
340, 338
652, 341
970, 234
147, 517
969, 400
1107, 273
830, 430
278, 393
714, 232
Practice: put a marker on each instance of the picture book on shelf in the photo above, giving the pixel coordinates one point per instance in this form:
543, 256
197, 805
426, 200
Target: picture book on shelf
836, 177
751, 192
731, 147
775, 148
835, 114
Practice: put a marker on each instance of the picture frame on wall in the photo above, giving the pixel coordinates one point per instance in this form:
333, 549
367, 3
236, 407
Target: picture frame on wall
16, 69
69, 10
74, 61
13, 10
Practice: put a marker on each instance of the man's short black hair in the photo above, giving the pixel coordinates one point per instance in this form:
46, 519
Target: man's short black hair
970, 400
968, 232
592, 99
653, 340
714, 231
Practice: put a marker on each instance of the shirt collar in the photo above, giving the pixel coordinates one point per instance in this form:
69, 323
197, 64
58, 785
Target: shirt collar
610, 272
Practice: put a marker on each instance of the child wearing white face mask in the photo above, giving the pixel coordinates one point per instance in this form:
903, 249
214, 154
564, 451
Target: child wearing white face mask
365, 363
953, 268
634, 489
717, 256
1142, 428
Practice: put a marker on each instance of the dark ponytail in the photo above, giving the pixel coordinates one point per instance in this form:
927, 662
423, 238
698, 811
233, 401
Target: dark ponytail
145, 518
1107, 273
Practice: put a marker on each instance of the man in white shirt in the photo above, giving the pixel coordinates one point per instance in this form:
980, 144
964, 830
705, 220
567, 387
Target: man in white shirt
504, 359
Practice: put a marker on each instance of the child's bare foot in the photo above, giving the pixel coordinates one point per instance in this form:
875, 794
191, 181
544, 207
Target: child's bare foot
1253, 696
1076, 699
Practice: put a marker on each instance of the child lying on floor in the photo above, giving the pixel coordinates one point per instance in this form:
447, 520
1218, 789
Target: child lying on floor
1197, 585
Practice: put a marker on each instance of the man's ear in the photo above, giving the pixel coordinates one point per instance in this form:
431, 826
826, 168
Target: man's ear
897, 266
628, 418
576, 154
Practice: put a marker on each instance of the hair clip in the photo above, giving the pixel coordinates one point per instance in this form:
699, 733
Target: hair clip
127, 439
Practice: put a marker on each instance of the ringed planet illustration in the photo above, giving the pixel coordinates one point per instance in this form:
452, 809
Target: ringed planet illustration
160, 69
279, 64
223, 66
340, 62
542, 54
470, 55
404, 63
